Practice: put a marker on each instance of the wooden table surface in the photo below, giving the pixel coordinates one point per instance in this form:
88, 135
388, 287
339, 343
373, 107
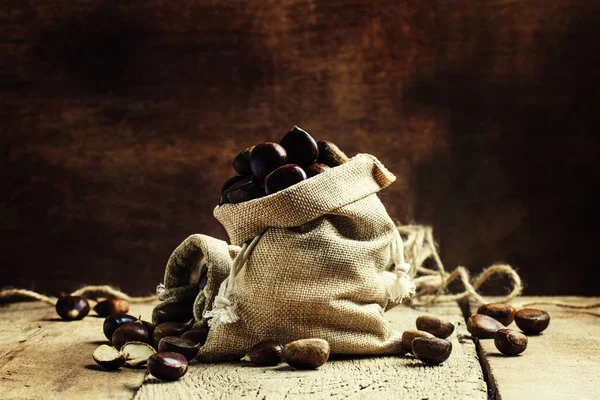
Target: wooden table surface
43, 356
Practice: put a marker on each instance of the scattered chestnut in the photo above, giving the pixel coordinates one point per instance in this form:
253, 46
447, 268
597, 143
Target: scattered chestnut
108, 357
330, 154
532, 321
482, 326
112, 322
266, 158
176, 344
284, 177
167, 366
71, 308
306, 353
136, 353
197, 335
111, 306
266, 353
409, 335
130, 332
437, 327
241, 162
501, 312
301, 148
431, 350
315, 169
510, 342
170, 329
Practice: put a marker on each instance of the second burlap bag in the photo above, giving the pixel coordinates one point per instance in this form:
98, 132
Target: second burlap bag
320, 259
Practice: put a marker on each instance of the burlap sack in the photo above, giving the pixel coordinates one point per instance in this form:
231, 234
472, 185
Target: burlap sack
314, 261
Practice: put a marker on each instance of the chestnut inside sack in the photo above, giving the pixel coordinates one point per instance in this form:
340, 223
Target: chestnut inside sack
318, 259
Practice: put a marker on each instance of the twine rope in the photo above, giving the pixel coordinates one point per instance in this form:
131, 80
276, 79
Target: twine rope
92, 292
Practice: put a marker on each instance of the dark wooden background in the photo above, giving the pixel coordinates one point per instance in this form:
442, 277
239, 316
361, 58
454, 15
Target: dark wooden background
119, 121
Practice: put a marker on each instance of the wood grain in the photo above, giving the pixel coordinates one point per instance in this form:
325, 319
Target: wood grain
561, 363
118, 123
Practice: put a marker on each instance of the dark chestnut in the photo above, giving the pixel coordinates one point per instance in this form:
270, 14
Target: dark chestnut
482, 326
432, 351
243, 190
175, 344
284, 177
178, 312
170, 329
112, 322
228, 183
330, 154
266, 158
436, 326
315, 169
130, 332
510, 342
501, 312
532, 321
167, 366
111, 306
241, 162
301, 148
266, 353
411, 334
196, 335
71, 308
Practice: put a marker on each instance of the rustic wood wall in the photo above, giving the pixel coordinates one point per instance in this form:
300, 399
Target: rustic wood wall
118, 122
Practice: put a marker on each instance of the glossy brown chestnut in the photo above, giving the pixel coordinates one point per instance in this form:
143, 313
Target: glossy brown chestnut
330, 154
501, 312
432, 351
228, 183
266, 353
284, 177
510, 342
411, 334
175, 344
266, 158
130, 332
112, 322
241, 162
196, 335
301, 148
167, 366
532, 321
482, 326
170, 329
71, 308
306, 353
109, 307
315, 169
437, 327
243, 190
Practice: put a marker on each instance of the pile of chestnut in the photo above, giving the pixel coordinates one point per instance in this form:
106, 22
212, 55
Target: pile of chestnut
491, 321
428, 342
270, 167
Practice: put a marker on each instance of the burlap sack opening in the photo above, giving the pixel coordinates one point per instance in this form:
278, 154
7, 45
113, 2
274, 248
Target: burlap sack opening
314, 262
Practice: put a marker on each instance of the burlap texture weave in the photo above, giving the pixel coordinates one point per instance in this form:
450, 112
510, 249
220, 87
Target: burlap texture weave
319, 267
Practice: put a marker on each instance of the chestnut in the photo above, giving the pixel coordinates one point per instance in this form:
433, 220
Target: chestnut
108, 357
532, 321
301, 148
432, 351
112, 322
437, 327
330, 154
509, 342
167, 366
136, 353
71, 308
178, 312
306, 353
315, 169
266, 158
130, 332
411, 334
501, 312
284, 177
111, 306
175, 344
242, 190
197, 335
266, 353
170, 329
241, 162
482, 326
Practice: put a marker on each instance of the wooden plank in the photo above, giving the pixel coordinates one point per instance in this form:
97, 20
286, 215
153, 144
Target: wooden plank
43, 356
561, 363
375, 377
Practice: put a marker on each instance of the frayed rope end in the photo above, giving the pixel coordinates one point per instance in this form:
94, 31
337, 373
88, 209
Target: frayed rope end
402, 287
223, 312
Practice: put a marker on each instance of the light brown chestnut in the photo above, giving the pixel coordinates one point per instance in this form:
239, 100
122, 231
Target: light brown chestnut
266, 353
306, 353
532, 321
71, 308
436, 326
167, 366
482, 326
501, 312
510, 342
409, 335
109, 307
432, 351
330, 154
